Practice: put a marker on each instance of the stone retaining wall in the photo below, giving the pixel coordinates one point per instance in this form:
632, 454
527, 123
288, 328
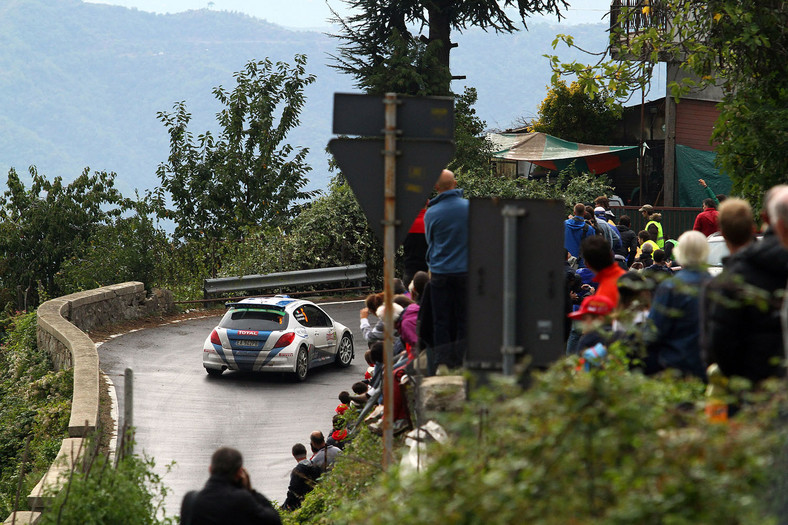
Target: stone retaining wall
61, 323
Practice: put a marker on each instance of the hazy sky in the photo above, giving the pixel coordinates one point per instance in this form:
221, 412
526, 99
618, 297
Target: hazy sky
314, 13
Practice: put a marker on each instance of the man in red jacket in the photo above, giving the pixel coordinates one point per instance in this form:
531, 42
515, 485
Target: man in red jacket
706, 221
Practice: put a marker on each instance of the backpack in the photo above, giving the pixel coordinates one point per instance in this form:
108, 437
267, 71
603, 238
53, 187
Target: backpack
586, 226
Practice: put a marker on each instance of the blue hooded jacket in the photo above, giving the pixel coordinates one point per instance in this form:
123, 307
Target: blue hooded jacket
446, 228
574, 235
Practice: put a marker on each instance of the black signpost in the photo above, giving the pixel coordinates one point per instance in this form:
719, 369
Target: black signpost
409, 140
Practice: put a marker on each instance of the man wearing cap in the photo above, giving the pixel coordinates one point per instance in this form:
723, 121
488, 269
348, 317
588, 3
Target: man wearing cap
654, 225
596, 327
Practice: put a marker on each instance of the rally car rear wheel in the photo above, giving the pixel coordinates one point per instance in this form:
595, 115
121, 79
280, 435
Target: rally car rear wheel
345, 351
302, 364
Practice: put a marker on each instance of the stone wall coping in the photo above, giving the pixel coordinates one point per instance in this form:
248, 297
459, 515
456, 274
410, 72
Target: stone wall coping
53, 318
23, 517
71, 451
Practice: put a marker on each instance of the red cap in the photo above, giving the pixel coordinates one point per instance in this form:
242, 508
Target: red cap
594, 305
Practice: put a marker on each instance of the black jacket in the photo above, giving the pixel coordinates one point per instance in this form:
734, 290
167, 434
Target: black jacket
302, 481
221, 502
742, 337
629, 244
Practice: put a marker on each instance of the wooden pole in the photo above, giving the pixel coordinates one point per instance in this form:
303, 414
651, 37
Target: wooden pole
389, 223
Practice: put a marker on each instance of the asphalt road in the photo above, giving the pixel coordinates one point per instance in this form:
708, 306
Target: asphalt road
181, 415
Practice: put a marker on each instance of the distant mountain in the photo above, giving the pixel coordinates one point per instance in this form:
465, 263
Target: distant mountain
80, 84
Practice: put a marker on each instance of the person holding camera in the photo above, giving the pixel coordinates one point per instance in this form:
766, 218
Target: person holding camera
228, 496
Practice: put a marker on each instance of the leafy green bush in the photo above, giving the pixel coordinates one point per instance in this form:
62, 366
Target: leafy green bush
129, 249
130, 493
607, 446
329, 231
570, 187
35, 403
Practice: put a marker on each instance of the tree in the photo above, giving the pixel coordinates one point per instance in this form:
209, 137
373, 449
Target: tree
45, 225
473, 148
245, 178
568, 112
129, 247
382, 32
741, 45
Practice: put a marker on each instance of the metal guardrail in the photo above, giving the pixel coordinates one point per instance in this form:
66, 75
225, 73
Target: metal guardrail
352, 273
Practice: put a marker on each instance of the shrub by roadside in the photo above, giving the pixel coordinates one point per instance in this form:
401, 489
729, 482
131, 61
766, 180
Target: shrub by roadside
607, 446
102, 493
35, 403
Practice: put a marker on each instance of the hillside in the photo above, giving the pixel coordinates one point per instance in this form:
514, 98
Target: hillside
81, 83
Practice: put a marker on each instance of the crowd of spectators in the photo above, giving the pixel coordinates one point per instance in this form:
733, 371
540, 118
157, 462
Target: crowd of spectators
670, 310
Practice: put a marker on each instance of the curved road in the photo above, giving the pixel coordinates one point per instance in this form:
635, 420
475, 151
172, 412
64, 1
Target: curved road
181, 415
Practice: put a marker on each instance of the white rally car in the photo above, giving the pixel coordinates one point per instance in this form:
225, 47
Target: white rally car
276, 334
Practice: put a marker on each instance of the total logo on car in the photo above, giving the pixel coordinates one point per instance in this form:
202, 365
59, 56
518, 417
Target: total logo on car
276, 334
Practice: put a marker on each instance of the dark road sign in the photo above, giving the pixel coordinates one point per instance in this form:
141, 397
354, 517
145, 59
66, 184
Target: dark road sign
418, 167
540, 288
417, 117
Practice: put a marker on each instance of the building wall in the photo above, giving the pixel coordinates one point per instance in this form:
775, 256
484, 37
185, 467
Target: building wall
694, 123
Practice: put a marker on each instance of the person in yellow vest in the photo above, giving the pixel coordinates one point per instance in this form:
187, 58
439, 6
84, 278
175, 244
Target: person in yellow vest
654, 225
643, 239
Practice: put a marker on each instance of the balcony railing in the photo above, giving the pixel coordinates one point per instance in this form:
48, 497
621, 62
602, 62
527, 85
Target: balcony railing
631, 17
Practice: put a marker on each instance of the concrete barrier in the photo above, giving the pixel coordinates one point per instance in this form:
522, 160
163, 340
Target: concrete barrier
61, 323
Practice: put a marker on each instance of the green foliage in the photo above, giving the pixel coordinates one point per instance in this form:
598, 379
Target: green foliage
42, 227
382, 40
245, 177
570, 187
329, 231
99, 493
401, 65
473, 148
739, 45
35, 404
129, 248
571, 114
607, 446
354, 475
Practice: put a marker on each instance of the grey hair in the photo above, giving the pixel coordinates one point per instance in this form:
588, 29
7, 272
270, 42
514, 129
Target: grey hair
692, 249
776, 203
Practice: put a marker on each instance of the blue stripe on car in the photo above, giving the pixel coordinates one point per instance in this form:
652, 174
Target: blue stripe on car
246, 357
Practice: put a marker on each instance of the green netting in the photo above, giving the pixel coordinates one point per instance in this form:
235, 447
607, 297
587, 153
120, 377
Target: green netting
693, 164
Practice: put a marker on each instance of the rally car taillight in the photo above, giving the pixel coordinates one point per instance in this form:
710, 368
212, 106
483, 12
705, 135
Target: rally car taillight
285, 340
215, 338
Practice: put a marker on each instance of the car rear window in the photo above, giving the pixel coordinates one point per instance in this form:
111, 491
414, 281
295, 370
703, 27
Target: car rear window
254, 319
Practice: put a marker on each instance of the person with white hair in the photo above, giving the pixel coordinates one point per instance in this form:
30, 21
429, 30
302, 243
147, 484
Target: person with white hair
776, 204
675, 312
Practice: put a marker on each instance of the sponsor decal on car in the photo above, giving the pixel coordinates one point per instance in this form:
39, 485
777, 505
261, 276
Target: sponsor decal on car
248, 332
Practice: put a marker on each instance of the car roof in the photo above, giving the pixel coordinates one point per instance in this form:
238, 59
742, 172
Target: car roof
279, 301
